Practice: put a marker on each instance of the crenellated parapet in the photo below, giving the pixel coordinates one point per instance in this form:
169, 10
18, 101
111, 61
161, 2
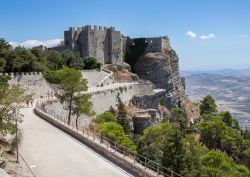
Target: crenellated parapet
14, 74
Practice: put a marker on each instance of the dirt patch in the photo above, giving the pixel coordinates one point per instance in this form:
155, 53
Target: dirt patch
14, 169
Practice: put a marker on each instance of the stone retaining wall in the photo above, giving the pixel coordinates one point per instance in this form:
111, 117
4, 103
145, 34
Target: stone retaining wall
103, 99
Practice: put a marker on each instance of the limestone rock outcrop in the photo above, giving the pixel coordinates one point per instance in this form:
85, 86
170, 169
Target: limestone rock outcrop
162, 69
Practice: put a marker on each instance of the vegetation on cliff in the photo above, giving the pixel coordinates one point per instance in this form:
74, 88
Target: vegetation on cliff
107, 125
215, 147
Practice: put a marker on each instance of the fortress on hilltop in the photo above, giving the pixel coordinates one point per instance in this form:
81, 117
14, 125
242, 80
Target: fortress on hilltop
106, 44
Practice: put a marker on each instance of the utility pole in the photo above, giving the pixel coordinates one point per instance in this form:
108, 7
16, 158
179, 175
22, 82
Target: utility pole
16, 119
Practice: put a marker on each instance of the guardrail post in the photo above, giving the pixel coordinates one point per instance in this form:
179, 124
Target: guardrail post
124, 151
172, 174
134, 158
115, 146
158, 171
145, 162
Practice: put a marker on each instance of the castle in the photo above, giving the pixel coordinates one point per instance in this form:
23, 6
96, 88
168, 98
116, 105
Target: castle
106, 44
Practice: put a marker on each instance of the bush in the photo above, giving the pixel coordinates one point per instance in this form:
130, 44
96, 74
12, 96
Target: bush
216, 163
115, 132
105, 117
52, 77
91, 63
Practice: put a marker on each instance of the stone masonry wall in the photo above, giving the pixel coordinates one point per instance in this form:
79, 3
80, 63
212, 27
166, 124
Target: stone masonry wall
102, 100
106, 44
33, 83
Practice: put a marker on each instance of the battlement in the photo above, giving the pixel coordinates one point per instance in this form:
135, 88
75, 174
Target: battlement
12, 74
91, 27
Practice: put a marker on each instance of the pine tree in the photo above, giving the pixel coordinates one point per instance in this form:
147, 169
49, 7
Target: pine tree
122, 117
208, 105
112, 110
82, 105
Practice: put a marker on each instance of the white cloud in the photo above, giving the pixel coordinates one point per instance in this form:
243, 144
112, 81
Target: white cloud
35, 43
191, 34
209, 36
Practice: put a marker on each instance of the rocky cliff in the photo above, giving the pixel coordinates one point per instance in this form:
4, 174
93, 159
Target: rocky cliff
162, 69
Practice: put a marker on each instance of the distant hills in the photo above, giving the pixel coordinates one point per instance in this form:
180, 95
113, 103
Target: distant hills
224, 72
230, 88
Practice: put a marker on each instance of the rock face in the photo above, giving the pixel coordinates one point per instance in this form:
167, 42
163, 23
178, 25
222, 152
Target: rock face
151, 100
162, 69
144, 118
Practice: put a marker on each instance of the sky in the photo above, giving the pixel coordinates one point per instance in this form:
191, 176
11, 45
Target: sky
204, 33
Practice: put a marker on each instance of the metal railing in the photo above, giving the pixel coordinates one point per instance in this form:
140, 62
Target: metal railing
140, 161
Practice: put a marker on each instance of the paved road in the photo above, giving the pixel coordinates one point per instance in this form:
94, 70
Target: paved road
51, 153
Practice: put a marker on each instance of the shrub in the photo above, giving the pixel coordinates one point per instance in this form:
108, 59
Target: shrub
91, 63
115, 132
105, 117
52, 77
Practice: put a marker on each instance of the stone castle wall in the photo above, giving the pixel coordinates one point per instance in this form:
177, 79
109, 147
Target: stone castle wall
102, 100
32, 82
106, 44
102, 97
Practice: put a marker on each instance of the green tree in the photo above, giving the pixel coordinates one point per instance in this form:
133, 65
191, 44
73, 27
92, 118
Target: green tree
11, 98
152, 142
82, 105
105, 117
40, 63
22, 60
71, 82
2, 64
227, 119
173, 151
91, 63
208, 106
55, 60
122, 117
179, 119
218, 164
116, 133
246, 134
112, 110
212, 133
191, 158
4, 46
72, 59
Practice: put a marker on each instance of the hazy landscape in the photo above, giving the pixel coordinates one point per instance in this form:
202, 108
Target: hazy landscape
229, 87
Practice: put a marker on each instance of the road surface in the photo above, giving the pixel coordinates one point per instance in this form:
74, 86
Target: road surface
51, 153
